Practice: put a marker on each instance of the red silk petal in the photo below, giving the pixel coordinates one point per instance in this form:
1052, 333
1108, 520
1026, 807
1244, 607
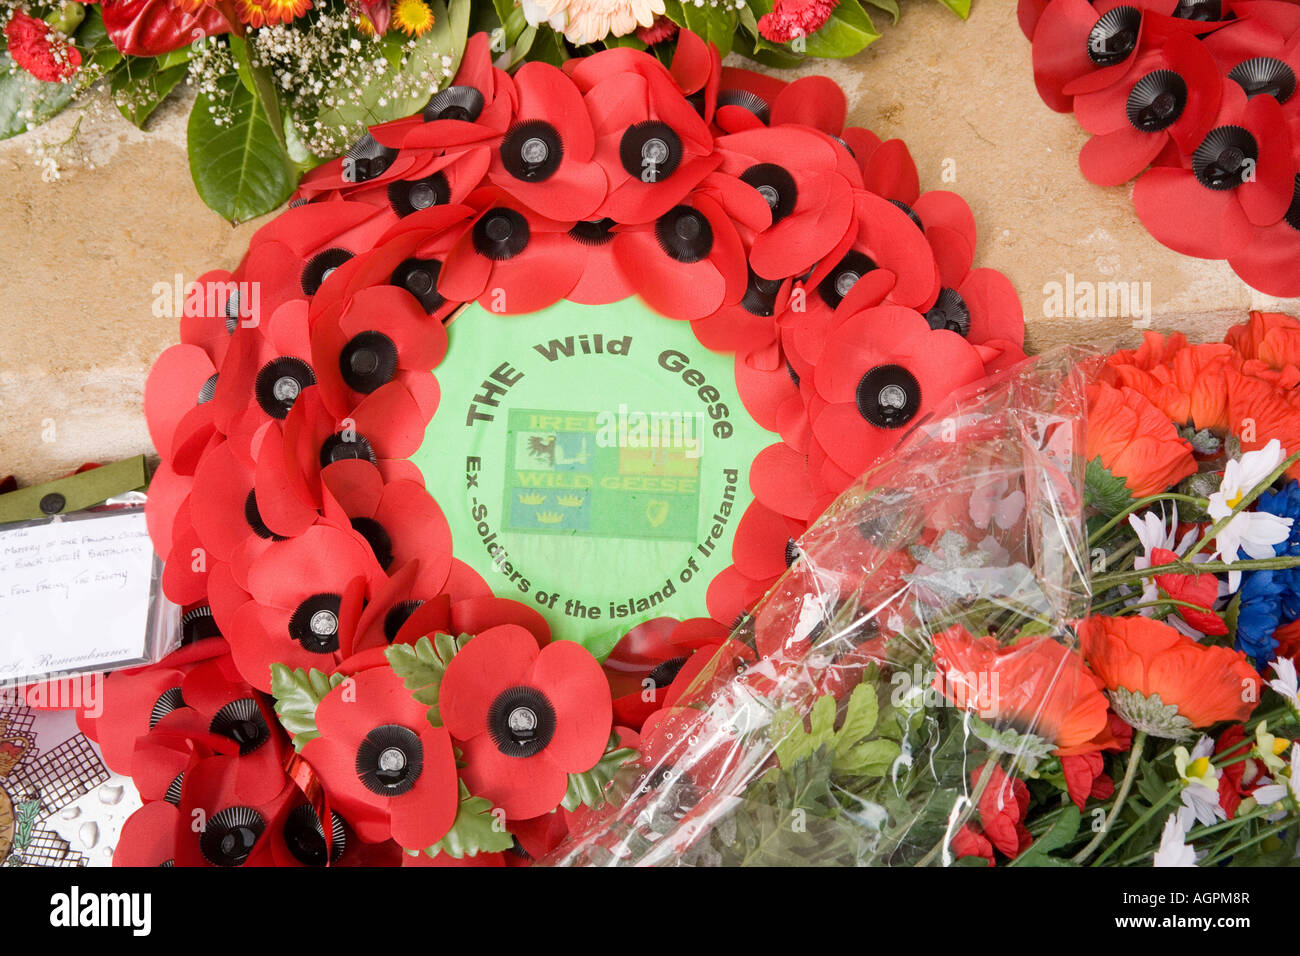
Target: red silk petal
1188, 218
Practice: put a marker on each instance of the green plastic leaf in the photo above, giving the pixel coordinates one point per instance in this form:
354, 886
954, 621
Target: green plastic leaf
889, 6
847, 32
297, 695
870, 759
1061, 834
476, 829
421, 667
25, 101
959, 7
240, 170
859, 718
588, 788
1104, 491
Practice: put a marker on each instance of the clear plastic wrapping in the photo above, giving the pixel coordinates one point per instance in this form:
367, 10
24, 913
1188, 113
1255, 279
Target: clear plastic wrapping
821, 732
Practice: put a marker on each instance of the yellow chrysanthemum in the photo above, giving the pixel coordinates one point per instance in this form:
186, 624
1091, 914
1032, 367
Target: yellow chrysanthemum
413, 17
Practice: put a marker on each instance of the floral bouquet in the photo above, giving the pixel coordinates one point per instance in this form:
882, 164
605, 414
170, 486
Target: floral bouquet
1057, 627
283, 85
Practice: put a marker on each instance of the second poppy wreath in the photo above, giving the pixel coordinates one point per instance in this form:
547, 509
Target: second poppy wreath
579, 351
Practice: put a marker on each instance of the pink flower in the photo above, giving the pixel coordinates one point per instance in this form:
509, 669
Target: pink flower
795, 18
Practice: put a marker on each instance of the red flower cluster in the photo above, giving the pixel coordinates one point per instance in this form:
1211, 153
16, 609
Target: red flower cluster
39, 50
1196, 100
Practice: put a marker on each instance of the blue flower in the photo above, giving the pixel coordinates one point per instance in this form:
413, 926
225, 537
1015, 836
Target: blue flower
1260, 614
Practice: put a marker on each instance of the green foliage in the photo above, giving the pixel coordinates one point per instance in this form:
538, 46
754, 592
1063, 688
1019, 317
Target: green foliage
297, 695
852, 752
588, 788
1104, 491
1059, 835
476, 829
140, 84
422, 665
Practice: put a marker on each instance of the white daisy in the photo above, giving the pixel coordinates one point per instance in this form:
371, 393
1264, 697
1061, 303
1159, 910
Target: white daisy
1174, 850
1286, 684
1254, 532
1200, 779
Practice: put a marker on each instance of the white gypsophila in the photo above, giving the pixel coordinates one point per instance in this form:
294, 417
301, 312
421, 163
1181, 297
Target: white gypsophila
1254, 532
1174, 849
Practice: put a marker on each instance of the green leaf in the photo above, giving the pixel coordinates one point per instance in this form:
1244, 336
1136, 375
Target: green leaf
588, 788
297, 695
848, 31
859, 718
240, 169
97, 51
889, 6
476, 829
959, 7
421, 667
140, 84
870, 759
25, 101
1104, 491
1062, 832
715, 24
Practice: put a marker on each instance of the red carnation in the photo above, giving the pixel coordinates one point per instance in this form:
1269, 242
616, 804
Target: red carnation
795, 18
39, 50
525, 718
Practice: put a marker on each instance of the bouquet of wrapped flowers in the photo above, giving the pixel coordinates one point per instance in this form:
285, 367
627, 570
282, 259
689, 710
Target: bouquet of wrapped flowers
1056, 627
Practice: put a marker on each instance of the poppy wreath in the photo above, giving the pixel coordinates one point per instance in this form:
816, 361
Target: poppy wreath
420, 706
1195, 99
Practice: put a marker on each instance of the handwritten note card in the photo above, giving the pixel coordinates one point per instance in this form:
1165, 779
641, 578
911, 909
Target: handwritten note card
74, 595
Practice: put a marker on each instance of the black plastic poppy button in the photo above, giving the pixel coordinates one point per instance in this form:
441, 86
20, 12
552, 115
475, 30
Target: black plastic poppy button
1264, 76
1226, 158
280, 382
650, 151
775, 185
760, 295
889, 396
463, 103
1114, 36
500, 234
521, 721
253, 518
53, 503
341, 447
844, 277
531, 151
949, 312
910, 212
411, 195
320, 267
684, 234
1293, 212
305, 837
366, 159
420, 278
1156, 101
229, 837
241, 721
368, 361
197, 624
747, 101
381, 543
315, 623
389, 760
665, 672
593, 232
1205, 11
167, 701
397, 616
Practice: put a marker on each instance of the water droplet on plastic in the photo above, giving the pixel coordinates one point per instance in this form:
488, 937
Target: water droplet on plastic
89, 835
70, 813
110, 794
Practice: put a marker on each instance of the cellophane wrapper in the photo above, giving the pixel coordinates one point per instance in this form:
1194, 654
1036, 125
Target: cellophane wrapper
977, 520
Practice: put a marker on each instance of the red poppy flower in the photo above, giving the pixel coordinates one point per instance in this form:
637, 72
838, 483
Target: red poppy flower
1036, 687
887, 167
298, 840
225, 811
745, 99
399, 518
1270, 260
134, 700
1080, 47
882, 369
687, 263
524, 718
653, 147
509, 258
761, 552
1241, 176
1171, 94
299, 591
389, 772
1201, 590
545, 158
39, 50
148, 837
797, 172
750, 327
647, 660
981, 305
1028, 13
1001, 826
772, 398
602, 279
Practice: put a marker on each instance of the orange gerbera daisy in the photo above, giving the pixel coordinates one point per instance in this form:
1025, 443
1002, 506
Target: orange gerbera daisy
1163, 682
1037, 687
1135, 441
260, 13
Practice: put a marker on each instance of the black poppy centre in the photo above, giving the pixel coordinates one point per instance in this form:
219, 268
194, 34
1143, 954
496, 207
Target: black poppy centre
889, 396
230, 835
389, 760
315, 623
521, 721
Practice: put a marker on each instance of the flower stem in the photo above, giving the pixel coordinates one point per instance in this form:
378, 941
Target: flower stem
1138, 506
1105, 582
1130, 774
986, 774
1258, 838
1174, 789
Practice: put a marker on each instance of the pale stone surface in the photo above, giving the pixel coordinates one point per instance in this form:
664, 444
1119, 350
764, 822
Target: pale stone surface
78, 332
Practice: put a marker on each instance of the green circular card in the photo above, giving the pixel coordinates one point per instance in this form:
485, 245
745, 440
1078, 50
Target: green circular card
592, 461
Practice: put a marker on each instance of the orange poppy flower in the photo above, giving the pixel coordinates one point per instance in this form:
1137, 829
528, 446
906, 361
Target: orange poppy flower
1271, 337
1037, 686
1140, 660
1259, 411
1135, 441
1188, 385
